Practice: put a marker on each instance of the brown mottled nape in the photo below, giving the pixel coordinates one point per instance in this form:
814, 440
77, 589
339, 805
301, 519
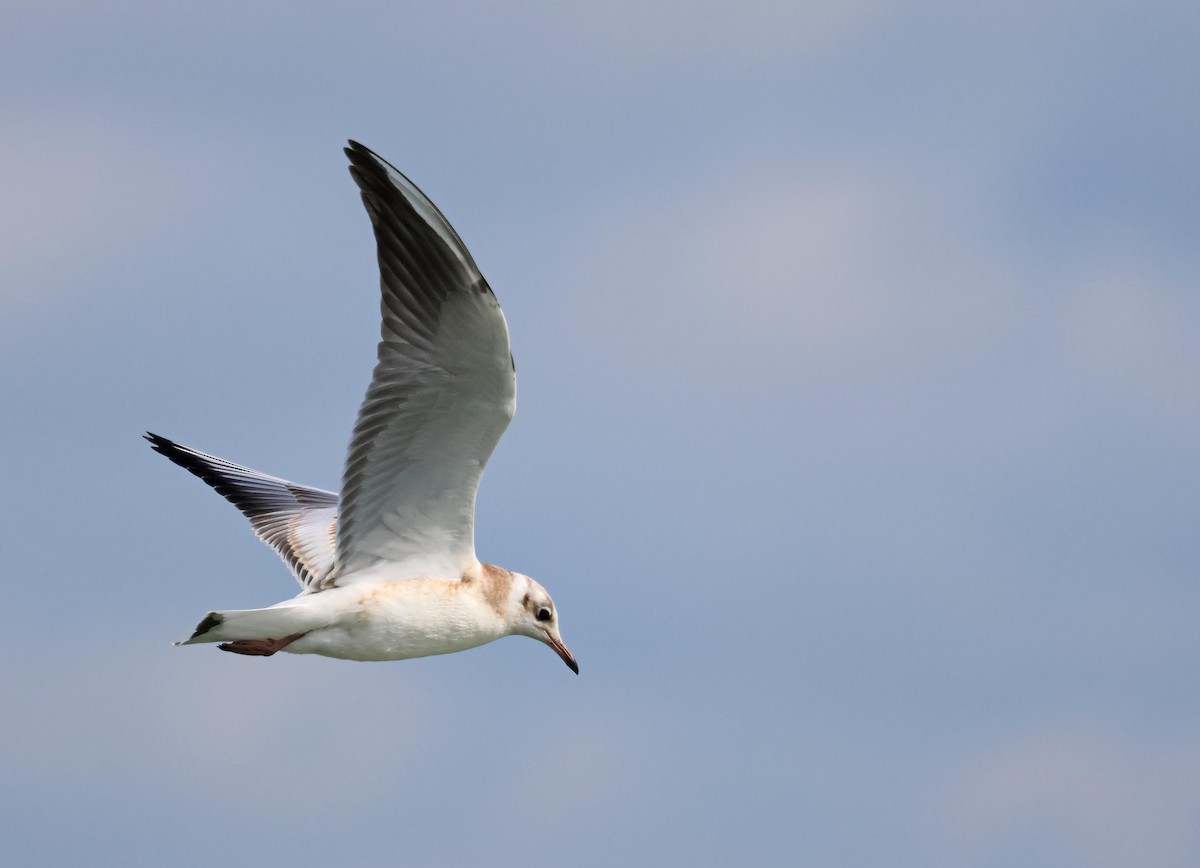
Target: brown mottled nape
494, 584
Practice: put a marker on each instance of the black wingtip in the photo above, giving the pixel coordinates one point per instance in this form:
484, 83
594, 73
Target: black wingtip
368, 167
157, 442
363, 164
163, 446
198, 463
358, 153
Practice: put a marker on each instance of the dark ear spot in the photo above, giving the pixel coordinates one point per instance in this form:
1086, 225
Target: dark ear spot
525, 600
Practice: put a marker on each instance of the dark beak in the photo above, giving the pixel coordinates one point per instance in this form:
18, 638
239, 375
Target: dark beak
564, 652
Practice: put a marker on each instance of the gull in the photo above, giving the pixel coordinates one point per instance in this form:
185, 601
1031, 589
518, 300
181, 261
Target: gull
387, 569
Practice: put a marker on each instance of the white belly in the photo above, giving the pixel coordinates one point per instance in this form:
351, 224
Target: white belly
398, 620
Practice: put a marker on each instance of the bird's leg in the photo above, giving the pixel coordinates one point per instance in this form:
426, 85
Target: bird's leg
259, 647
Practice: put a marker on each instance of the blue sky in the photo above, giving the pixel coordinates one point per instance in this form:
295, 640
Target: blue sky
857, 439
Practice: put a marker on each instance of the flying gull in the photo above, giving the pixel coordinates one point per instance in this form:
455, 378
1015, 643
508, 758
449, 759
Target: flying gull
387, 569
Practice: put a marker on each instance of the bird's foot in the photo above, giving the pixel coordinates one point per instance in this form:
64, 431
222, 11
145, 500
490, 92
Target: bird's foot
259, 647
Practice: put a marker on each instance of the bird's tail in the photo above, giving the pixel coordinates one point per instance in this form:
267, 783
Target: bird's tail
274, 622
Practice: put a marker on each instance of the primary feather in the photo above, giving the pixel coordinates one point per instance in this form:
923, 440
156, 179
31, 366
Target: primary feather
297, 521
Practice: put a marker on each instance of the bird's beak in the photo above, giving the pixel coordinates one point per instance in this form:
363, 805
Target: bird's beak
564, 652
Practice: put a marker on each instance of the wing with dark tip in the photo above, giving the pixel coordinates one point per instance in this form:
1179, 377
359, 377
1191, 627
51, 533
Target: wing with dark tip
442, 393
299, 522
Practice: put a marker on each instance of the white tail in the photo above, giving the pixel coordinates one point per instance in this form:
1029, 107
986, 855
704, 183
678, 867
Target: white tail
274, 622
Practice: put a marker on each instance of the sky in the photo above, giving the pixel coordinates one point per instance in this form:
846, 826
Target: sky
858, 433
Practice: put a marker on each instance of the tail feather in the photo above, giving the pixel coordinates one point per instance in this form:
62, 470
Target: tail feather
274, 622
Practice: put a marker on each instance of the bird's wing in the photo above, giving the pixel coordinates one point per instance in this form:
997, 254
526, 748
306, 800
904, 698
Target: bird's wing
297, 521
443, 392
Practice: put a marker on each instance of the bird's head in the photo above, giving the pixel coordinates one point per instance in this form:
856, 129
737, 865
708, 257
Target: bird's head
535, 616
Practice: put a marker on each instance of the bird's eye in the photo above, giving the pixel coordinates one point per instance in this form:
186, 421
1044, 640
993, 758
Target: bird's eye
543, 615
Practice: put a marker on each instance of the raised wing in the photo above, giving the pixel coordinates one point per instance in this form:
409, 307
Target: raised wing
298, 522
442, 393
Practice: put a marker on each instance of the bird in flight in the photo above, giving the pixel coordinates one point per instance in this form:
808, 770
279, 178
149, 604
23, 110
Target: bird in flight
387, 569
